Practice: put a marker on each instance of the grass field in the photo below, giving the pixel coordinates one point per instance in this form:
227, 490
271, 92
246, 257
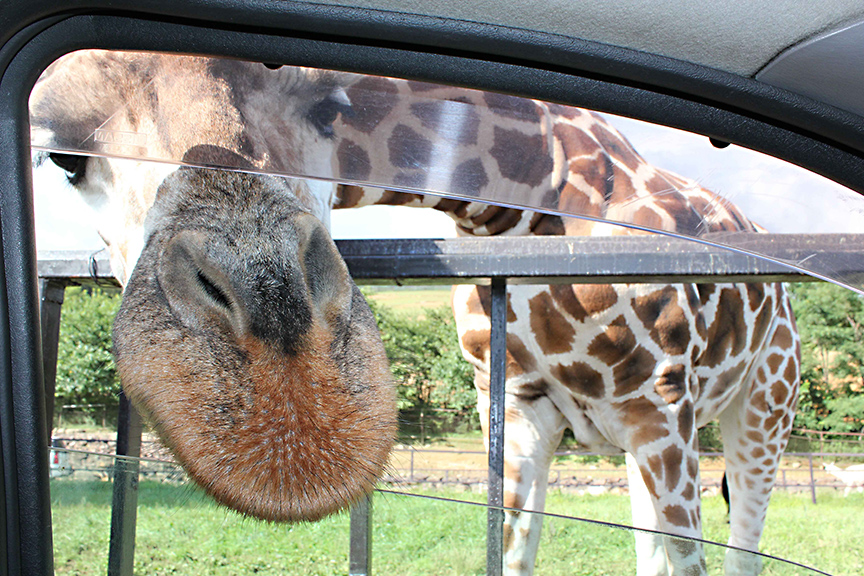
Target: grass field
411, 301
181, 532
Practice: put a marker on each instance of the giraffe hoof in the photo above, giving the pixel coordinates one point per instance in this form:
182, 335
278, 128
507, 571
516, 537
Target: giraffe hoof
740, 563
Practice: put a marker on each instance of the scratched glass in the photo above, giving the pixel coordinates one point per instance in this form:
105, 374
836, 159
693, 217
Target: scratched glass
437, 140
426, 139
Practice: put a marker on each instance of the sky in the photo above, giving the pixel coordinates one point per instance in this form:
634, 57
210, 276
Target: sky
777, 195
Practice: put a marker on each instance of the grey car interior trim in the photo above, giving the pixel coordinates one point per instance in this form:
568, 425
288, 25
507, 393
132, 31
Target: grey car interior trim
738, 37
829, 68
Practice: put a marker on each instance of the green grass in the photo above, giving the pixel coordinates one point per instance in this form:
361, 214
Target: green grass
181, 532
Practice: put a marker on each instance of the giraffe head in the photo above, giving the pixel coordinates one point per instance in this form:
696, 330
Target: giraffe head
241, 337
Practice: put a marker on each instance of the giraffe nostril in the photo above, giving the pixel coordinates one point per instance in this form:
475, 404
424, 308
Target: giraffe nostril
213, 290
198, 288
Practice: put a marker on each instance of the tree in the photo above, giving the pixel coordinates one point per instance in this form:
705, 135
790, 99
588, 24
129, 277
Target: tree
85, 366
426, 360
831, 323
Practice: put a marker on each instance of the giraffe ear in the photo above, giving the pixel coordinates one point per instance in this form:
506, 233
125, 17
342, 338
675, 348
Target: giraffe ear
327, 278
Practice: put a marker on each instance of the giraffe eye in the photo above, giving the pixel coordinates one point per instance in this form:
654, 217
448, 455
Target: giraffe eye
74, 165
324, 113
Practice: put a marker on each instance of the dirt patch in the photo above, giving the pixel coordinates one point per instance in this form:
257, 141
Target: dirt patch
444, 463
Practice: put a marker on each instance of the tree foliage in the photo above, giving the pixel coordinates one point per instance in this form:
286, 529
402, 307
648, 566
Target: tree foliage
432, 375
831, 323
425, 359
424, 354
85, 367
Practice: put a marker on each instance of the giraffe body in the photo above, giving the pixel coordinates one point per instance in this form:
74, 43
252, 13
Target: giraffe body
628, 368
644, 396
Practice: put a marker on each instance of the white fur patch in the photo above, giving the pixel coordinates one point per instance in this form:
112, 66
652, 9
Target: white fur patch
324, 194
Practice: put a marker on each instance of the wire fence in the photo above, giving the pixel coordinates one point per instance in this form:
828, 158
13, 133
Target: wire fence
101, 415
433, 425
815, 459
804, 440
572, 471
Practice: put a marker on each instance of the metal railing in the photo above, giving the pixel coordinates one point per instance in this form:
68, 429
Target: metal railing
490, 261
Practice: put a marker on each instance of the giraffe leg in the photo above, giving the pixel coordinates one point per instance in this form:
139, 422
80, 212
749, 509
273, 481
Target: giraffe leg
664, 474
675, 511
532, 431
650, 550
749, 490
755, 428
752, 456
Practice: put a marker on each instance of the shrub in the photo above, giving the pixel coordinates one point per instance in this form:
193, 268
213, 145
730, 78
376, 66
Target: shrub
427, 364
85, 366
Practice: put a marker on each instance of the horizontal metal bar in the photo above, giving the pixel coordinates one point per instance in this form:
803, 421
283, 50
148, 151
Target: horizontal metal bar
555, 259
76, 266
572, 260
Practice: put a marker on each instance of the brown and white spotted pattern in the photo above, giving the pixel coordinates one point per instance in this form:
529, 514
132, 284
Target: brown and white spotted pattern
632, 368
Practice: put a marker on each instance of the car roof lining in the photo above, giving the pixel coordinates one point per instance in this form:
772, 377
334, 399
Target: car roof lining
739, 37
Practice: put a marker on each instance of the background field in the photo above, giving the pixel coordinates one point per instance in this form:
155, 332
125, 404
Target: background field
411, 301
182, 532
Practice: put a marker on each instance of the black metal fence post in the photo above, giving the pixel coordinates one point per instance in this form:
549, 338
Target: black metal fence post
51, 293
498, 364
360, 556
124, 505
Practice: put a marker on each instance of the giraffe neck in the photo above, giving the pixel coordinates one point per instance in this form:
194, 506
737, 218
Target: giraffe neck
473, 144
514, 151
